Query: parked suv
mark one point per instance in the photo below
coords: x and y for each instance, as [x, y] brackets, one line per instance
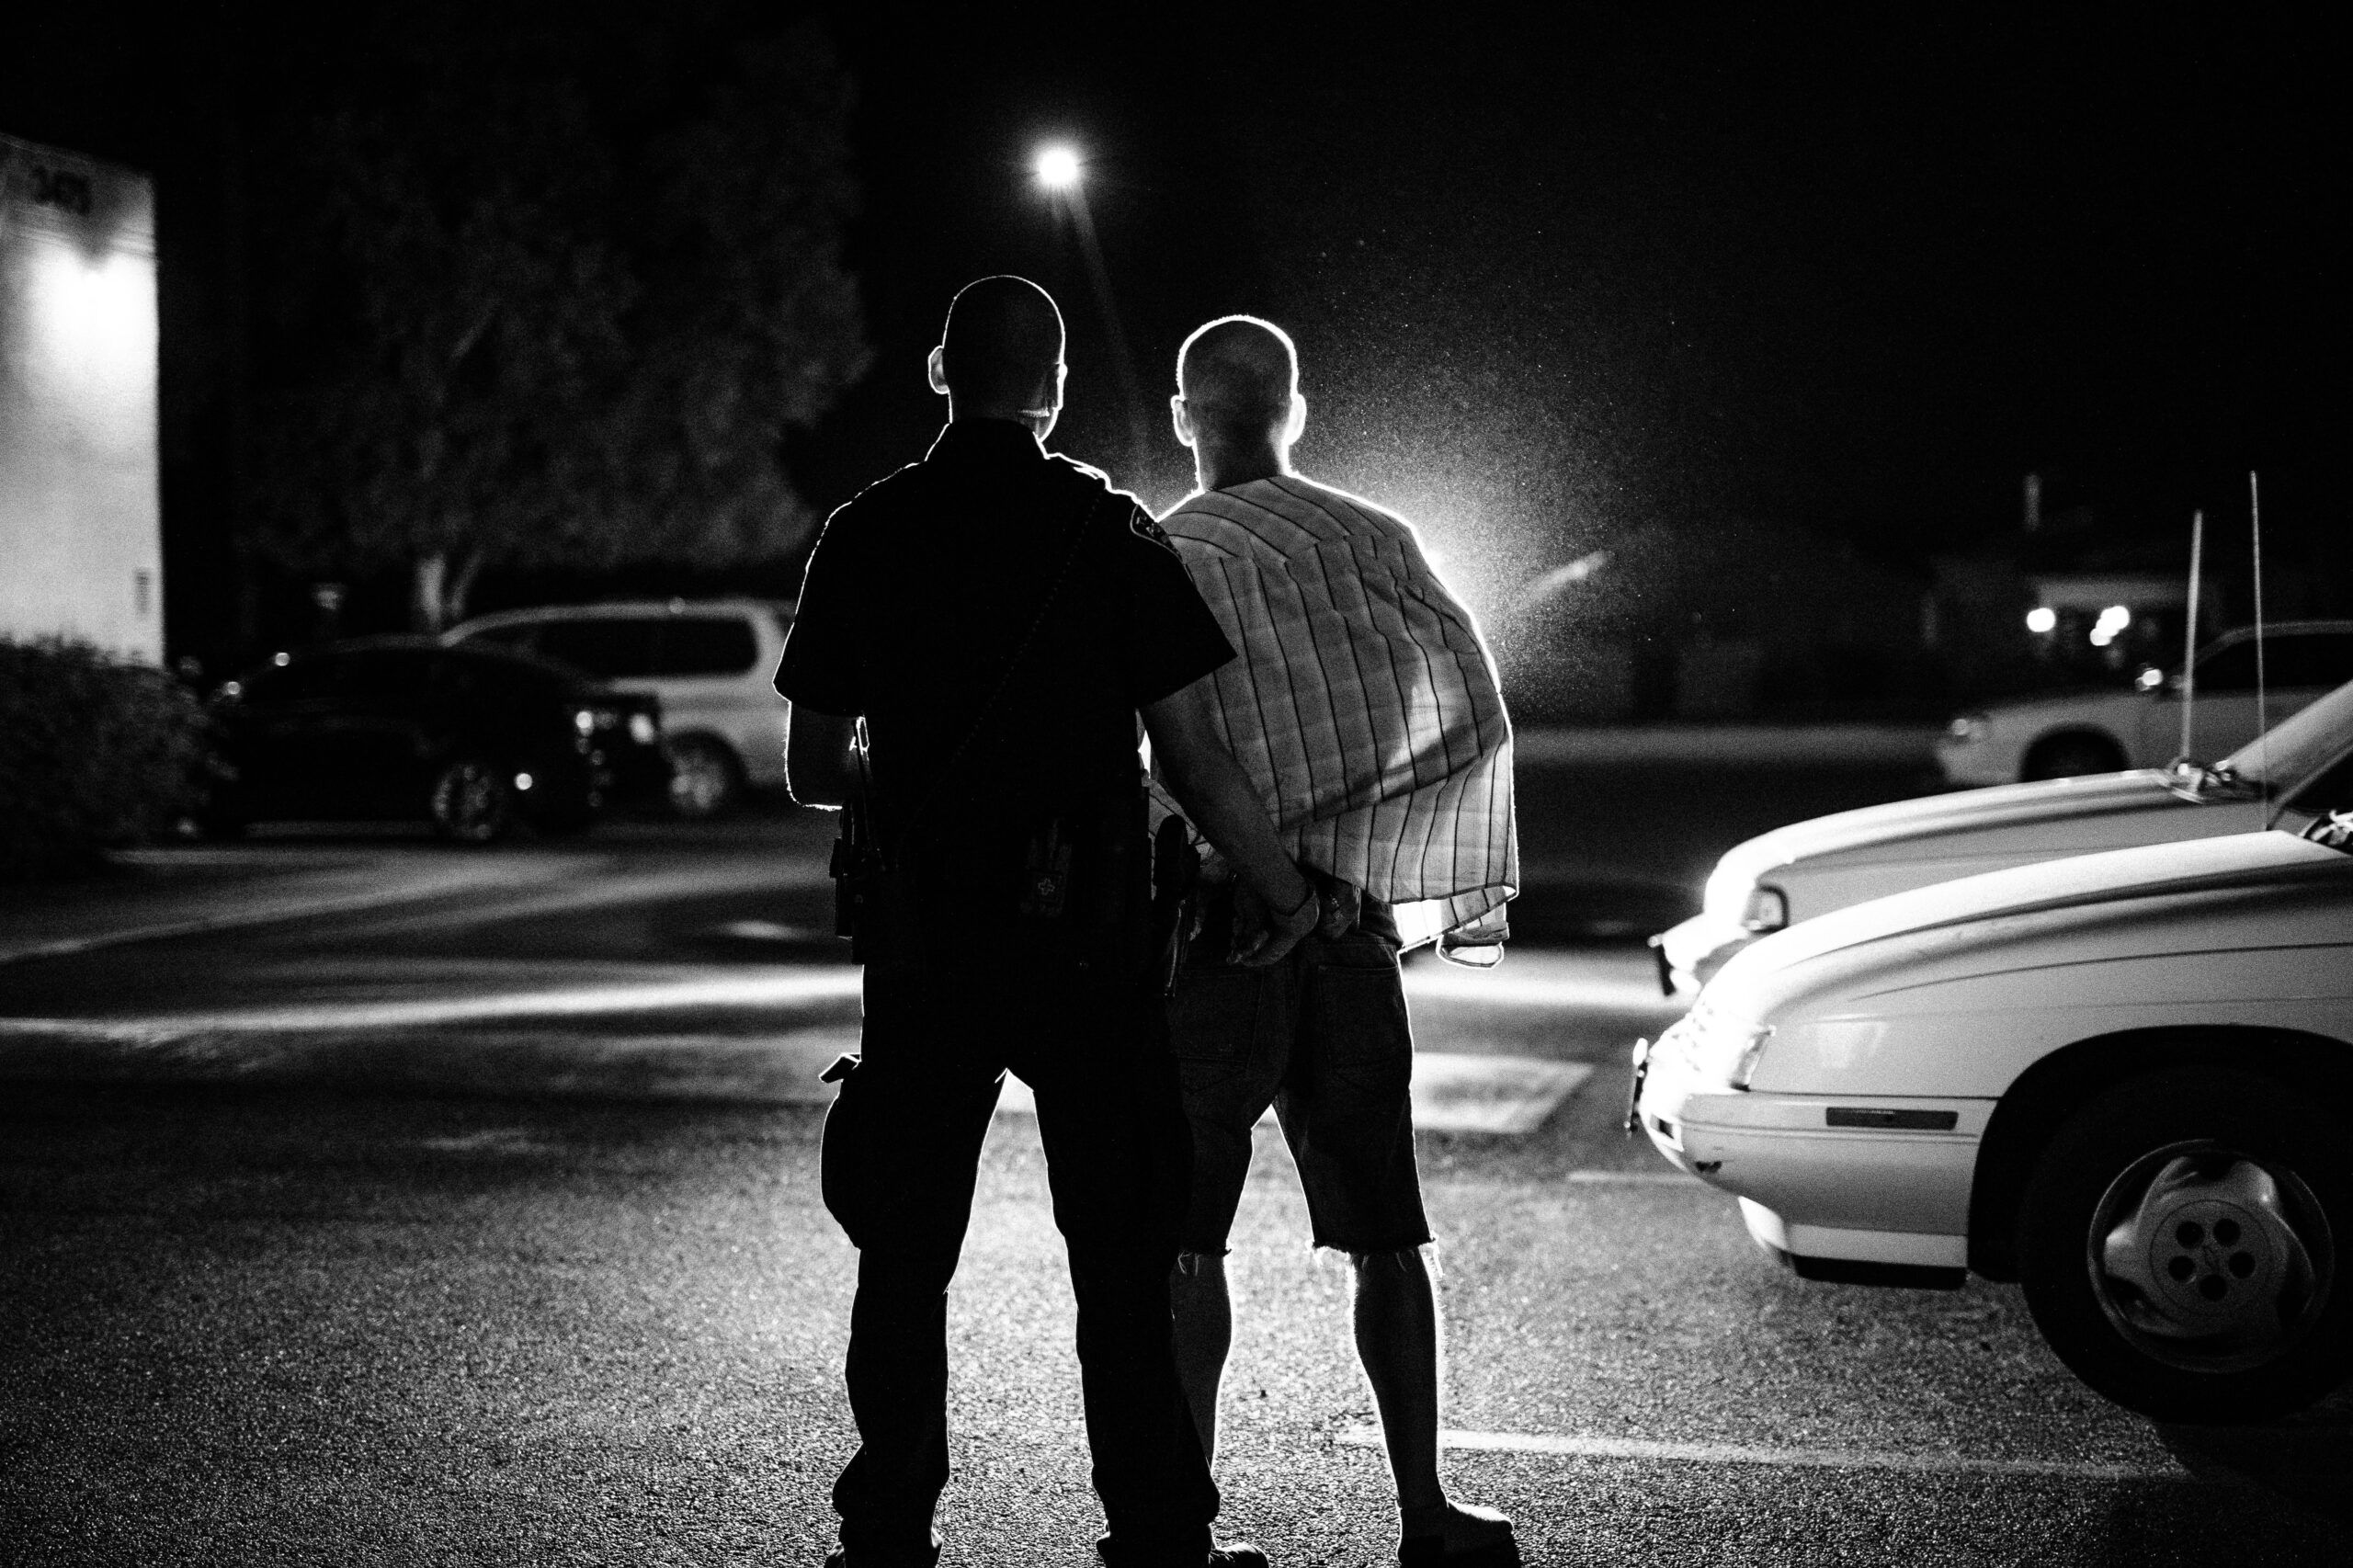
[2106, 731]
[709, 661]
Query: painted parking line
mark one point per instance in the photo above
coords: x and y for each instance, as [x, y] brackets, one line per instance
[728, 990]
[1504, 1096]
[1812, 1459]
[1546, 982]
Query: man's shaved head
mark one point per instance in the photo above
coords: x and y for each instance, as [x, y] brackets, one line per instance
[1237, 376]
[1002, 344]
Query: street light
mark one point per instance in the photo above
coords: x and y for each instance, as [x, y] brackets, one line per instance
[1057, 168]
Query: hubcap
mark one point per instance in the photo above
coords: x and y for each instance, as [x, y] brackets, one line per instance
[466, 800]
[2209, 1259]
[699, 781]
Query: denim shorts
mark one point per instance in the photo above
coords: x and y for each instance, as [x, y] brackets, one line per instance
[1322, 1036]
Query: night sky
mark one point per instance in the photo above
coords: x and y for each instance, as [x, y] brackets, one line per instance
[1552, 283]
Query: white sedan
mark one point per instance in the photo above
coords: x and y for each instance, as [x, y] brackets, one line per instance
[1810, 868]
[2124, 1080]
[2101, 730]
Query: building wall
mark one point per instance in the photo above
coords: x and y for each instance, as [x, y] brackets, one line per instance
[81, 550]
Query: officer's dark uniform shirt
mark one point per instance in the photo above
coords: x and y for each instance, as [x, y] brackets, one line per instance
[920, 590]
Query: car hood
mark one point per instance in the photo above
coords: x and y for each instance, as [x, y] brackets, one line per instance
[1830, 861]
[2198, 896]
[2047, 801]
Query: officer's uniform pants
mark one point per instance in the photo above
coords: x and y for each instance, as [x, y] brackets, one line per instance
[900, 1156]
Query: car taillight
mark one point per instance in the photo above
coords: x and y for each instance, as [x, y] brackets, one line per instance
[1768, 910]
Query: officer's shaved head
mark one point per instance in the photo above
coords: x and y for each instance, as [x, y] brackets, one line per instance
[1237, 376]
[1002, 344]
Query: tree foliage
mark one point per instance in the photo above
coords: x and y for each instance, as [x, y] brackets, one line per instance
[93, 751]
[557, 294]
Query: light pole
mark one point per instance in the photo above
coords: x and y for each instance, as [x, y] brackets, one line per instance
[1062, 174]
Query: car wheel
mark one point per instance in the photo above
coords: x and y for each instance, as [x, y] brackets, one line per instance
[2070, 756]
[2180, 1245]
[705, 778]
[472, 801]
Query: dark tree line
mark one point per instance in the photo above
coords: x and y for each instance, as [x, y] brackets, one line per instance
[549, 293]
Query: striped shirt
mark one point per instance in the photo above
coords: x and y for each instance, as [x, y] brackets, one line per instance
[1364, 706]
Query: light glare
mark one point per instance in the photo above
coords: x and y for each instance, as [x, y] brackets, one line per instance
[2112, 619]
[1057, 168]
[2041, 618]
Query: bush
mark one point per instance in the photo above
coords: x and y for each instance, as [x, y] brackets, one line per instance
[93, 751]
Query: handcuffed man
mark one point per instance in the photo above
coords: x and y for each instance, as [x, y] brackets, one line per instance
[1365, 709]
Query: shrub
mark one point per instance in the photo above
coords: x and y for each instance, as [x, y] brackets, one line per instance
[93, 751]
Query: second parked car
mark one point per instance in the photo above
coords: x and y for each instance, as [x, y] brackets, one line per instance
[708, 661]
[2100, 732]
[1809, 869]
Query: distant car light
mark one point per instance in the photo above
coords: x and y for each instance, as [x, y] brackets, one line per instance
[2043, 620]
[2150, 678]
[642, 729]
[1768, 910]
[584, 722]
[522, 781]
[281, 660]
[2113, 622]
[1969, 728]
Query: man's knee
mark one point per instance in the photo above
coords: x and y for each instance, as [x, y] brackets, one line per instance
[912, 1265]
[1402, 1262]
[1197, 1271]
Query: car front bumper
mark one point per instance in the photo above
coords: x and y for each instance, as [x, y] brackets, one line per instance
[1879, 1180]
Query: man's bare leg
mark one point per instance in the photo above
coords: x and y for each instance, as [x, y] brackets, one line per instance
[1397, 1340]
[1203, 1330]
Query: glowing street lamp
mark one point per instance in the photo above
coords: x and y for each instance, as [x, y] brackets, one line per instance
[1057, 168]
[1059, 174]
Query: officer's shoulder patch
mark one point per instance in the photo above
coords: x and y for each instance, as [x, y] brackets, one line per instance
[1139, 523]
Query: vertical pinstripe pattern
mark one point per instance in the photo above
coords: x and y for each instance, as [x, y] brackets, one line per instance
[1363, 705]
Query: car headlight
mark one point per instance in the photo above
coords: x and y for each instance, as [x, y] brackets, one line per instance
[1969, 728]
[1725, 1046]
[1768, 908]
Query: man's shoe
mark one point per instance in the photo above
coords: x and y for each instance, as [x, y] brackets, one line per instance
[1473, 1538]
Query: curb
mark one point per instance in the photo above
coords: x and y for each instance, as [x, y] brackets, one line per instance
[1728, 746]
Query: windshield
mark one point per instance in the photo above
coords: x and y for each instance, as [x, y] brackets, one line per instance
[2310, 740]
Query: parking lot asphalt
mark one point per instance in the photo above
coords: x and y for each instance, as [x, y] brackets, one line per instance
[444, 1304]
[295, 1326]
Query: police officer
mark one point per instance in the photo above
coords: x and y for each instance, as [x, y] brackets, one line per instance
[997, 618]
